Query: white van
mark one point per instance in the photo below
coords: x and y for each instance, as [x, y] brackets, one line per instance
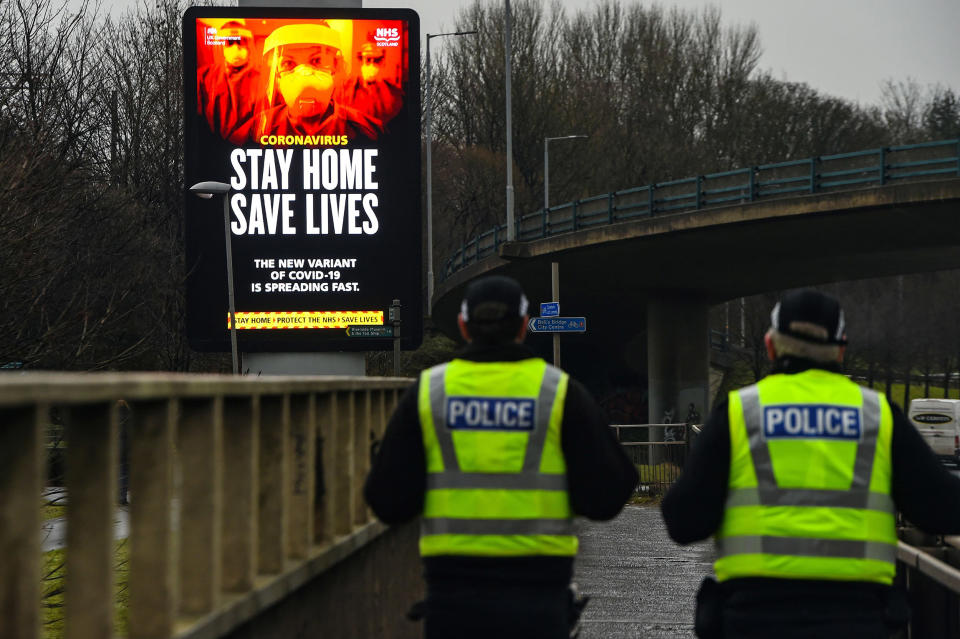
[938, 421]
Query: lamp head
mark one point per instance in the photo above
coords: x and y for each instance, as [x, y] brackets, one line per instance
[207, 190]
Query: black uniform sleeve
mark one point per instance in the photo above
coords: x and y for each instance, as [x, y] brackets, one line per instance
[693, 507]
[923, 490]
[600, 476]
[398, 478]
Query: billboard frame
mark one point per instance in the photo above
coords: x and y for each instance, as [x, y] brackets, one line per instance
[402, 273]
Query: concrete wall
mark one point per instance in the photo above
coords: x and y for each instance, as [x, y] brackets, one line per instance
[365, 596]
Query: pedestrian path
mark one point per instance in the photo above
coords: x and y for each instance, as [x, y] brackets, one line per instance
[53, 533]
[641, 584]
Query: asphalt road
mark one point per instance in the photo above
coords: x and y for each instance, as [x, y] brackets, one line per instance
[641, 584]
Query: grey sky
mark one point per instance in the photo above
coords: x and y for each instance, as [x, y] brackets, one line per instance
[845, 48]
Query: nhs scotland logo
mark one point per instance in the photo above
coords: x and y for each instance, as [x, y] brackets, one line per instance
[810, 421]
[491, 413]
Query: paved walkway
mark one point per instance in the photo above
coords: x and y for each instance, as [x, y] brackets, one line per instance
[53, 533]
[641, 584]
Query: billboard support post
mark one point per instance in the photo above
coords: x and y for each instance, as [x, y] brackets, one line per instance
[395, 320]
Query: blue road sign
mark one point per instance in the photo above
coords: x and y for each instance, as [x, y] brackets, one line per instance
[549, 309]
[369, 331]
[557, 325]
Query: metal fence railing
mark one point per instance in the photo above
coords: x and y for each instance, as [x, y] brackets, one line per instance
[822, 174]
[658, 450]
[931, 578]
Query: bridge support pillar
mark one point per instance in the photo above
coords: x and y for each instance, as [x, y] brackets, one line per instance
[678, 360]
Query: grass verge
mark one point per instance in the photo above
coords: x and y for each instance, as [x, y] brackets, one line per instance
[53, 589]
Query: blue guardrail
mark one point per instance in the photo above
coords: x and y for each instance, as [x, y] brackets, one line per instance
[826, 173]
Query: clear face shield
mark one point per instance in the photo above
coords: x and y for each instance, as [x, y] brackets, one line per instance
[305, 75]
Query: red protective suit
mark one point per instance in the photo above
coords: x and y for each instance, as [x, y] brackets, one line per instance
[226, 98]
[338, 120]
[379, 99]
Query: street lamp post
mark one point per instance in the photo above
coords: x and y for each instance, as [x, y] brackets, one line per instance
[511, 225]
[207, 190]
[554, 266]
[430, 168]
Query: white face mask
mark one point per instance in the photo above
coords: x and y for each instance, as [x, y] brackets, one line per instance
[306, 91]
[236, 55]
[369, 72]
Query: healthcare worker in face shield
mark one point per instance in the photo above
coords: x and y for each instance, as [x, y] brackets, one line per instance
[304, 62]
[227, 89]
[372, 92]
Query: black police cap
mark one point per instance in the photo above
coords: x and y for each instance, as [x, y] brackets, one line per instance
[810, 316]
[492, 299]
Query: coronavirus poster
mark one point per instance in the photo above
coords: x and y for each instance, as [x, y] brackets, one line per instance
[312, 118]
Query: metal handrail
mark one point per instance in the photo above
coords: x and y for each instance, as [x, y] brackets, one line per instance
[767, 181]
[679, 442]
[941, 572]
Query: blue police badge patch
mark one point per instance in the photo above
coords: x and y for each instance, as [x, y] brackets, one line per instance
[491, 413]
[811, 421]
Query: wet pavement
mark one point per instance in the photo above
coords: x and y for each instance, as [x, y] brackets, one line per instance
[53, 532]
[641, 584]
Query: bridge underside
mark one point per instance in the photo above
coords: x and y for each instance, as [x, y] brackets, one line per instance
[611, 274]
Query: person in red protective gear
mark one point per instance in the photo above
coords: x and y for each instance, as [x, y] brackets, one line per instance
[227, 90]
[304, 62]
[370, 91]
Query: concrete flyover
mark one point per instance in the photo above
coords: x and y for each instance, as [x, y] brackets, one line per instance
[659, 275]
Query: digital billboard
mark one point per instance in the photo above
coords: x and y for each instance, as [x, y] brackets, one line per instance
[312, 117]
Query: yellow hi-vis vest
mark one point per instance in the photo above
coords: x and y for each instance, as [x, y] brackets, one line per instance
[496, 476]
[809, 487]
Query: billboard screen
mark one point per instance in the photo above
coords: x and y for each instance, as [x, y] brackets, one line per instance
[312, 117]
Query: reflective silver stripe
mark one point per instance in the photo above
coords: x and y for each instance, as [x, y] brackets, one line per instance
[867, 448]
[438, 407]
[810, 497]
[753, 418]
[768, 493]
[545, 401]
[806, 547]
[509, 481]
[453, 526]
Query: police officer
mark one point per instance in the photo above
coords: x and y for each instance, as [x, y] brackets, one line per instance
[497, 451]
[799, 478]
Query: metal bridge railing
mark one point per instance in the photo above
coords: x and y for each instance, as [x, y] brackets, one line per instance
[931, 578]
[240, 489]
[826, 173]
[658, 450]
